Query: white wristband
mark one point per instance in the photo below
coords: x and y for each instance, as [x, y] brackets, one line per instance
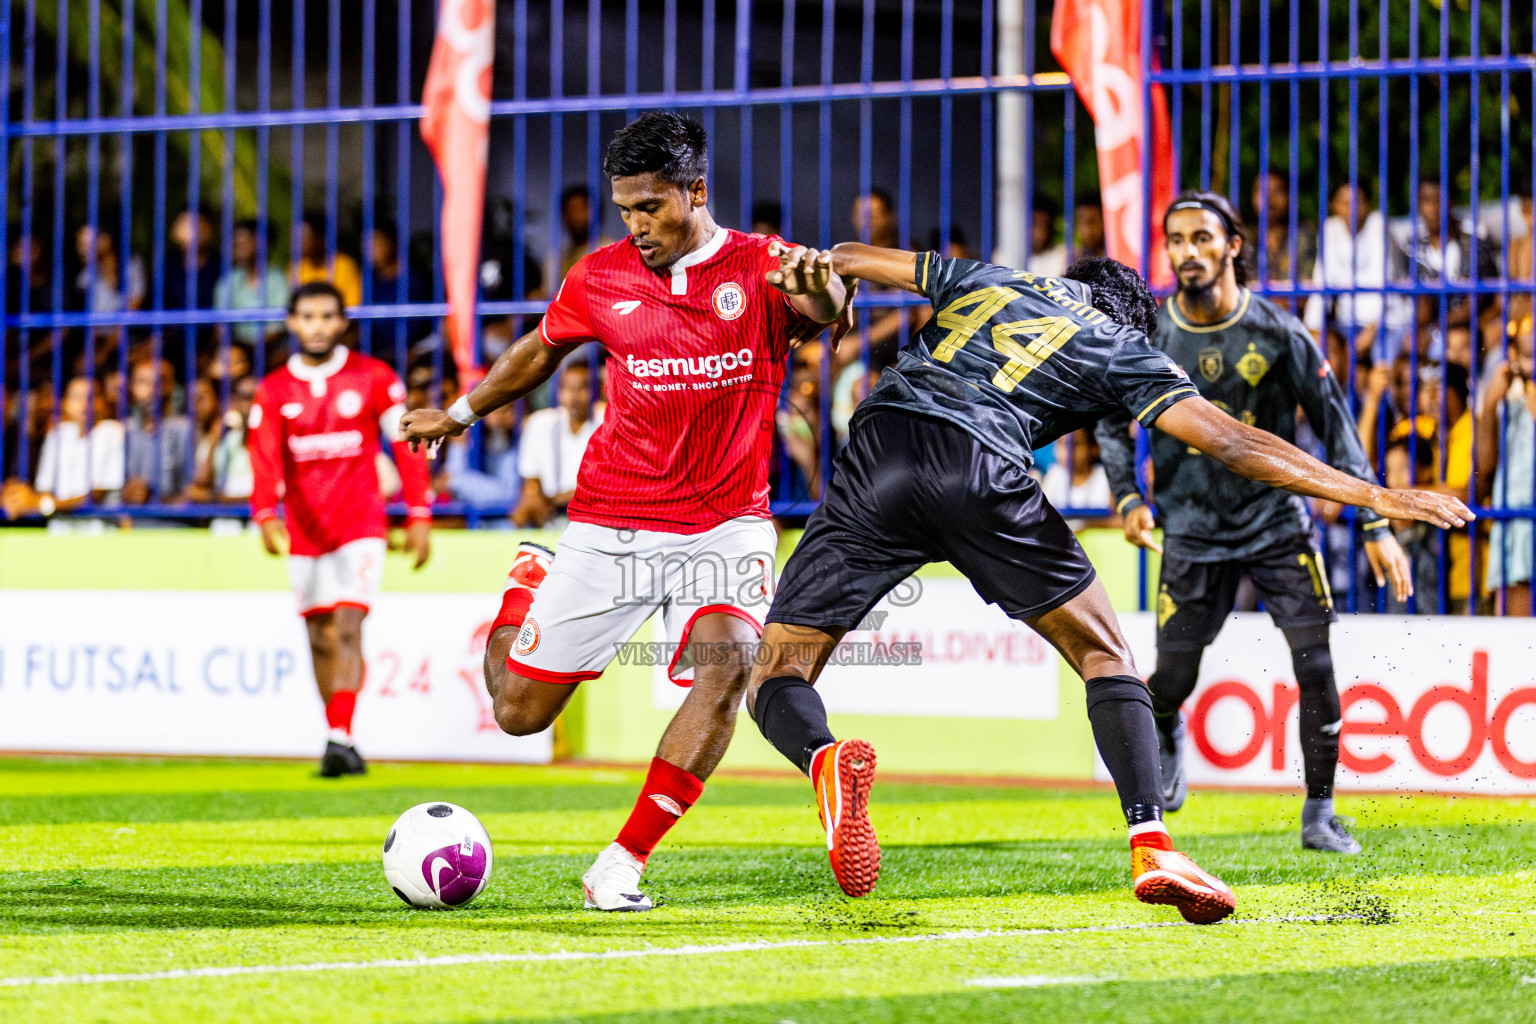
[460, 412]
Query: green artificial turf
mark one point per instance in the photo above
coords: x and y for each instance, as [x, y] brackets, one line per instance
[995, 904]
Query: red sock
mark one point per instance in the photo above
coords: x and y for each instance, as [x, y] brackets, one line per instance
[1151, 833]
[667, 793]
[338, 710]
[515, 603]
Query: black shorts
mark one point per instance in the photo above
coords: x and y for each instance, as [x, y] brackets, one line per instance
[1195, 598]
[909, 491]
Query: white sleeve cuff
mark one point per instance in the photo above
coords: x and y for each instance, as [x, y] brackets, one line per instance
[460, 412]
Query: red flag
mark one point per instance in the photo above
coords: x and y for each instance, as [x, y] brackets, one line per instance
[1098, 43]
[457, 97]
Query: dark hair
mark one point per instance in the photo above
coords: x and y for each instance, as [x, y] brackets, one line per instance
[1423, 453]
[386, 226]
[1089, 198]
[312, 289]
[1043, 203]
[1221, 206]
[572, 191]
[670, 146]
[425, 361]
[768, 212]
[1361, 184]
[252, 225]
[876, 192]
[1118, 291]
[1456, 379]
[315, 220]
[936, 237]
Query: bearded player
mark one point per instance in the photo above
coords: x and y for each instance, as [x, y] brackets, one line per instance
[937, 469]
[671, 505]
[315, 430]
[1254, 361]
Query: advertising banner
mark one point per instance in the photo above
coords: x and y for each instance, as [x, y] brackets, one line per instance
[931, 648]
[228, 673]
[1429, 704]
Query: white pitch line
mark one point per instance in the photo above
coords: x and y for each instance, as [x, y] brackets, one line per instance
[563, 956]
[1033, 981]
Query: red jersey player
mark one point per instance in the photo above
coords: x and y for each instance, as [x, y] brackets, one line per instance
[671, 506]
[316, 427]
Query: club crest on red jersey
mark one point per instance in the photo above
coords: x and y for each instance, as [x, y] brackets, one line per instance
[527, 638]
[729, 301]
[349, 403]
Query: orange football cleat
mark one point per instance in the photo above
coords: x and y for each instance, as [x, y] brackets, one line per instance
[1169, 877]
[842, 800]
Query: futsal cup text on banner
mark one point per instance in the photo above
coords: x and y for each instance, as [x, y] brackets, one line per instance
[1098, 44]
[457, 98]
[228, 673]
[1428, 704]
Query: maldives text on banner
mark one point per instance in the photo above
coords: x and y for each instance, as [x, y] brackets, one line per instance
[228, 673]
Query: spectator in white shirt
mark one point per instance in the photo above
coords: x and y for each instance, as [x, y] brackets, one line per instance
[75, 464]
[232, 476]
[1045, 258]
[1353, 256]
[550, 449]
[103, 291]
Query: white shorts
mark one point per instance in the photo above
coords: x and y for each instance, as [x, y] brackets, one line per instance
[349, 575]
[605, 583]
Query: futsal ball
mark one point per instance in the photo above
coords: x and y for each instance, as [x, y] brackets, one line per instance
[437, 856]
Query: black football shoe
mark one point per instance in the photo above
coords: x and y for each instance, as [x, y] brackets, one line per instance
[341, 759]
[1170, 751]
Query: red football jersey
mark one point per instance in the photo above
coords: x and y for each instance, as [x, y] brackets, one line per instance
[696, 360]
[314, 433]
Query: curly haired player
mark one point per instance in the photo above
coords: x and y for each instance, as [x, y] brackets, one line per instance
[937, 469]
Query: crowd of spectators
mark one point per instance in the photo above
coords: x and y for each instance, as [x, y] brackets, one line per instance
[1441, 377]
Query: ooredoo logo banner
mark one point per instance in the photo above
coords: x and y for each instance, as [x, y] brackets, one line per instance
[1427, 704]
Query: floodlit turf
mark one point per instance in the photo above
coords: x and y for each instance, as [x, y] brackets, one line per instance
[252, 892]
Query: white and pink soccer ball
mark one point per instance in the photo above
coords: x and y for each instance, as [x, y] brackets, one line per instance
[437, 856]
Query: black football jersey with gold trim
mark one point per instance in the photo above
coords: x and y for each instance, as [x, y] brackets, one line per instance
[1018, 360]
[1259, 365]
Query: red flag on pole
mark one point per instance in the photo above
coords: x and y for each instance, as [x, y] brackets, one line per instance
[457, 98]
[1098, 43]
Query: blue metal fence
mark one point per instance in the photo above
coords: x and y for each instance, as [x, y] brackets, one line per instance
[131, 111]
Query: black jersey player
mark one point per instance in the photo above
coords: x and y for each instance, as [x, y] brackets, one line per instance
[937, 469]
[1255, 362]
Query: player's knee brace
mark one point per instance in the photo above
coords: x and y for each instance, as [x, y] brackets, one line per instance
[1174, 680]
[1319, 714]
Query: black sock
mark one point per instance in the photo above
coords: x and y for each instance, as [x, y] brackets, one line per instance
[1320, 717]
[1172, 683]
[791, 716]
[1120, 711]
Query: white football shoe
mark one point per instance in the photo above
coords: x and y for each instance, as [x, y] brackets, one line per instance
[613, 881]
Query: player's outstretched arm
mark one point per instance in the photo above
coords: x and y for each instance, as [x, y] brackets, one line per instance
[1262, 456]
[887, 268]
[526, 364]
[805, 275]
